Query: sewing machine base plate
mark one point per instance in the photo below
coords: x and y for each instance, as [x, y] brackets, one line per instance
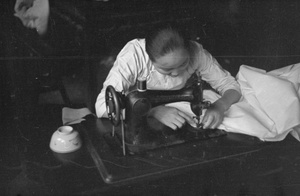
[151, 140]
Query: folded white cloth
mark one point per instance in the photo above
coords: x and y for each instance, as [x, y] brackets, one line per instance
[33, 14]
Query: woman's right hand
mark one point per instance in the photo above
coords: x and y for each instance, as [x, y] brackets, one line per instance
[170, 116]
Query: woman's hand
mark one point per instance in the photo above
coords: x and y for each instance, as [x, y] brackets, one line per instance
[170, 116]
[214, 115]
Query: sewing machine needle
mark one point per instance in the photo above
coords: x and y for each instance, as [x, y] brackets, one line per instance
[198, 123]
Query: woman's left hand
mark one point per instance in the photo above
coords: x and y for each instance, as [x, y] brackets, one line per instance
[213, 116]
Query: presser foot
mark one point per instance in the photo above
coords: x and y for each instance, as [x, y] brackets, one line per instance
[199, 125]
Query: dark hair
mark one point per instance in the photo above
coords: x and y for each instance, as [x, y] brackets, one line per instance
[164, 39]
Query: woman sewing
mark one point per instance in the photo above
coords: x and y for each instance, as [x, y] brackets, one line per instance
[167, 59]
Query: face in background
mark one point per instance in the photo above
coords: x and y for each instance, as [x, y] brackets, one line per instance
[172, 63]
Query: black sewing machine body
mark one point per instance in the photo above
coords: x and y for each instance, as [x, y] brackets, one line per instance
[139, 103]
[139, 132]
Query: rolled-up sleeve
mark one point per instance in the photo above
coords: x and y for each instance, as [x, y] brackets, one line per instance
[121, 76]
[219, 79]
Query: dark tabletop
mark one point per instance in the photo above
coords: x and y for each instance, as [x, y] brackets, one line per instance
[230, 165]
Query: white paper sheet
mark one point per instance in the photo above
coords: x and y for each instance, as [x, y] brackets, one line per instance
[72, 116]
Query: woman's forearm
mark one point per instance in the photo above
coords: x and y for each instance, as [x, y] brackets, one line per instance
[229, 97]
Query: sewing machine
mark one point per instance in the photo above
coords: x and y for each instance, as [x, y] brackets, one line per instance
[139, 132]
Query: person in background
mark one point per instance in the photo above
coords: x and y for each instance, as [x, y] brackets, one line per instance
[34, 14]
[167, 59]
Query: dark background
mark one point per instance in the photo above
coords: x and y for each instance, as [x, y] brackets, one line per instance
[85, 36]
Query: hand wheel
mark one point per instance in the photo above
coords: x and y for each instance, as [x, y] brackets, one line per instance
[113, 107]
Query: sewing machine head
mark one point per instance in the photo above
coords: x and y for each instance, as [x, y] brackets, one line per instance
[137, 133]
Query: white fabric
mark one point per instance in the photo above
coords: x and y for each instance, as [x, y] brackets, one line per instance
[269, 108]
[133, 62]
[273, 101]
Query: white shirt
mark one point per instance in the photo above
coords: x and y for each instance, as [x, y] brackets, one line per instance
[133, 62]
